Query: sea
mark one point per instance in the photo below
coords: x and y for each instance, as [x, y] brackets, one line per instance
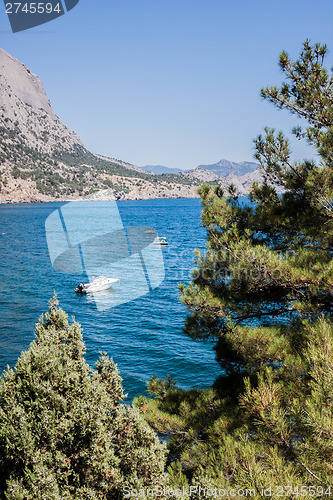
[144, 335]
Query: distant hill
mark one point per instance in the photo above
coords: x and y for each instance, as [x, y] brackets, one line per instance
[224, 172]
[160, 169]
[222, 168]
[242, 183]
[226, 167]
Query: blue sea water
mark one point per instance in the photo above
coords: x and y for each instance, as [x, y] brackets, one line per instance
[143, 336]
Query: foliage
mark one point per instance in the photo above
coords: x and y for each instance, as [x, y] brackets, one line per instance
[263, 291]
[63, 430]
[75, 172]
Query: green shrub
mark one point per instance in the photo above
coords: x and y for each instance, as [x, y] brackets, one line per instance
[64, 433]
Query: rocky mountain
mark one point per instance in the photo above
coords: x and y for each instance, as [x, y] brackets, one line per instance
[160, 169]
[242, 183]
[226, 167]
[224, 172]
[206, 172]
[43, 160]
[202, 174]
[26, 113]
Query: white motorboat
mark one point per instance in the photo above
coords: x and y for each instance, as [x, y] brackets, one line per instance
[160, 240]
[100, 283]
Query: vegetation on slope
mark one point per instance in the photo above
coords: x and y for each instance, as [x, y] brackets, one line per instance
[69, 172]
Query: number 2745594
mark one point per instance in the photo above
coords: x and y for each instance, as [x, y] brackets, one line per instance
[33, 8]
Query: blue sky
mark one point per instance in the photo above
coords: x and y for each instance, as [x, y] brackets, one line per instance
[174, 82]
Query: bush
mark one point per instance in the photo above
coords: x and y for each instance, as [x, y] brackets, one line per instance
[63, 431]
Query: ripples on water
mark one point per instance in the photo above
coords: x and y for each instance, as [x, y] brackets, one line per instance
[144, 336]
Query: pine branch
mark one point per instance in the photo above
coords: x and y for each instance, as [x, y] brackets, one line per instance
[274, 312]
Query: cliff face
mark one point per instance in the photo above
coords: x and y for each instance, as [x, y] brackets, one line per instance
[26, 111]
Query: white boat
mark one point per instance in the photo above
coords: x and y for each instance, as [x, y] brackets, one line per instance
[160, 240]
[100, 283]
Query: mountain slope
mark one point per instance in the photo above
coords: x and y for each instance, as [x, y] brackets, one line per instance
[26, 111]
[202, 174]
[242, 183]
[226, 167]
[42, 160]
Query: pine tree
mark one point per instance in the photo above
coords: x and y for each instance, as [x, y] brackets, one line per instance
[64, 433]
[268, 266]
[263, 290]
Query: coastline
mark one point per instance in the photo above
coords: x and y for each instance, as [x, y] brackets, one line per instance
[68, 200]
[136, 189]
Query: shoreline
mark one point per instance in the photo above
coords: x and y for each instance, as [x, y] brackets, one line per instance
[37, 202]
[22, 196]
